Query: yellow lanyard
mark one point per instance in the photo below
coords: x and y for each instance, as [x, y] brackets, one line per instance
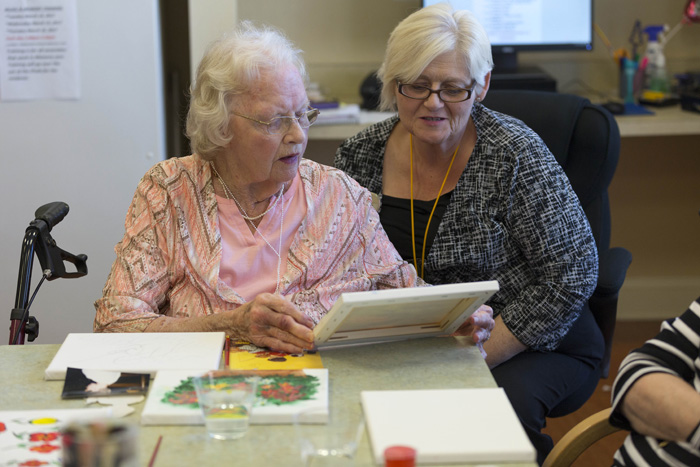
[413, 227]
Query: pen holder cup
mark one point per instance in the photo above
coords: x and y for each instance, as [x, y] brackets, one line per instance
[627, 72]
[631, 82]
[100, 444]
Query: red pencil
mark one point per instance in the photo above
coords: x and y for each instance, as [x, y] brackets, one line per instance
[227, 347]
[155, 451]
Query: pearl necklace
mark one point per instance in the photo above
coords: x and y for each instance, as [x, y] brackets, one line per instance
[245, 216]
[278, 251]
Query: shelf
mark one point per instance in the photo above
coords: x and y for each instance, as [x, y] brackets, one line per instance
[666, 121]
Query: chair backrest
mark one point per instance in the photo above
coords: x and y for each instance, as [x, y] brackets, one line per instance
[585, 140]
[579, 438]
[583, 137]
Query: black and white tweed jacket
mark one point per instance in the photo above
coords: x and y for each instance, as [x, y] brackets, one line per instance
[513, 217]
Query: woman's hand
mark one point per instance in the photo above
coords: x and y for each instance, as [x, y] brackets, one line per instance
[267, 321]
[479, 326]
[274, 322]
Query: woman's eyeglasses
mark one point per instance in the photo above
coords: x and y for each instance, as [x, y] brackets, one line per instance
[417, 91]
[280, 125]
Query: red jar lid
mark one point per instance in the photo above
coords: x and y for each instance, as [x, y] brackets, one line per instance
[399, 456]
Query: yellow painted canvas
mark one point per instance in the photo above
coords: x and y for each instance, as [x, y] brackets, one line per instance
[245, 356]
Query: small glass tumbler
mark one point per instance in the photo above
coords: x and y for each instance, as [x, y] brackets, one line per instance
[328, 444]
[226, 399]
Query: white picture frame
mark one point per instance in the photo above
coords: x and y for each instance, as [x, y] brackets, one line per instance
[395, 314]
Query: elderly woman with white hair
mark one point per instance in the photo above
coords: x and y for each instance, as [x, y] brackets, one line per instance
[470, 194]
[244, 236]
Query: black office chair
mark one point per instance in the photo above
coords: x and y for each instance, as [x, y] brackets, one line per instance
[585, 140]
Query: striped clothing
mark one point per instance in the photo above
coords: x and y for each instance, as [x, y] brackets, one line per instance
[676, 351]
[169, 260]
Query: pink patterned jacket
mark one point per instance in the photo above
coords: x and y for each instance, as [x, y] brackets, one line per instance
[168, 261]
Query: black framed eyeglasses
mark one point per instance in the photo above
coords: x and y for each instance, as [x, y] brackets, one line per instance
[280, 125]
[451, 95]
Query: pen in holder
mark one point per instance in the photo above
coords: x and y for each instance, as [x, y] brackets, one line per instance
[628, 91]
[638, 83]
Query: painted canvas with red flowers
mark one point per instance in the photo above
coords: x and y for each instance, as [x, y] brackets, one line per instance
[281, 394]
[32, 437]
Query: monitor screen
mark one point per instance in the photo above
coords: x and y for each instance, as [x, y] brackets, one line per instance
[517, 25]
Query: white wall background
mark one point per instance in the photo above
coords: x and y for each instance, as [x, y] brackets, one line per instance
[209, 19]
[89, 153]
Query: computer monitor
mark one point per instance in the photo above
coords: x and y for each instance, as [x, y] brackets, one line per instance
[530, 25]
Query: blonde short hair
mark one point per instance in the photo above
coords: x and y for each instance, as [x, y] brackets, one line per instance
[423, 36]
[228, 69]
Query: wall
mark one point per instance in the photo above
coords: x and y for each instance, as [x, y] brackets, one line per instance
[344, 40]
[209, 19]
[89, 153]
[655, 198]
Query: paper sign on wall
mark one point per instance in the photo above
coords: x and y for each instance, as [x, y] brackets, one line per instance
[39, 50]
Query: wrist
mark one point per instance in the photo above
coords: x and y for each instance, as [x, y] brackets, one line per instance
[234, 321]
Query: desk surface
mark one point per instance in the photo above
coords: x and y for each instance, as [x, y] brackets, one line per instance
[430, 363]
[666, 121]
